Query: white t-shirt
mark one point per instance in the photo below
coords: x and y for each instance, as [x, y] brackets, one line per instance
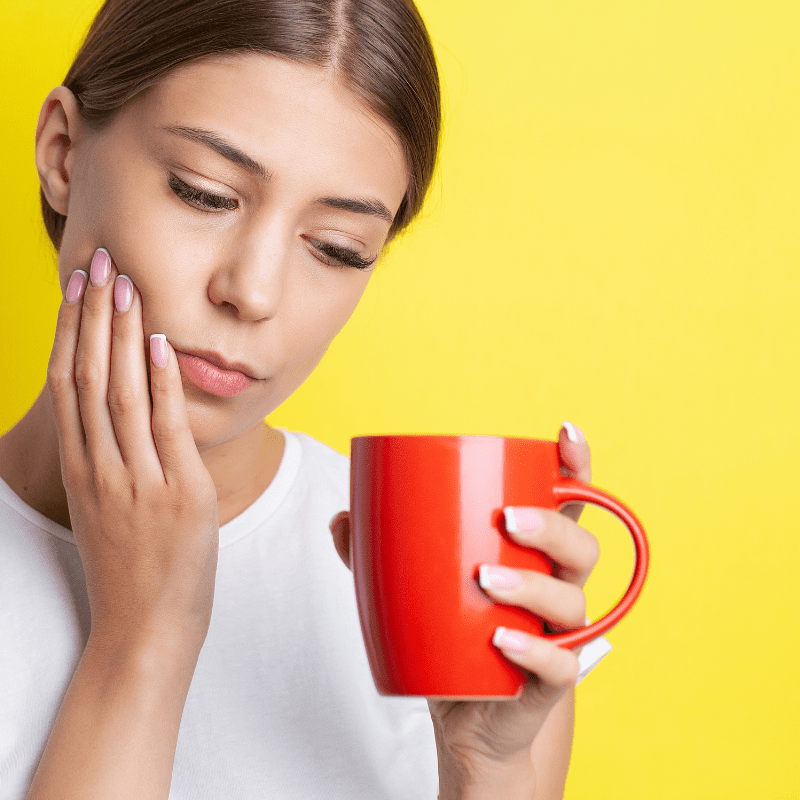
[282, 702]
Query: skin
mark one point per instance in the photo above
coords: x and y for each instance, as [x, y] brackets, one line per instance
[143, 466]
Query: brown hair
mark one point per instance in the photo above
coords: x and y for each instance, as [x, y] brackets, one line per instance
[379, 49]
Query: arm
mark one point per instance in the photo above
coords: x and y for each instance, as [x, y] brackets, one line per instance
[552, 749]
[143, 510]
[117, 729]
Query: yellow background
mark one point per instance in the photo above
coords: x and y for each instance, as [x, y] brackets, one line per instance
[613, 239]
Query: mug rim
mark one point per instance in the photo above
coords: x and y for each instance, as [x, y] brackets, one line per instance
[449, 437]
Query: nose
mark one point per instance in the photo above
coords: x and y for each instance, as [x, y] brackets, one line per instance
[251, 274]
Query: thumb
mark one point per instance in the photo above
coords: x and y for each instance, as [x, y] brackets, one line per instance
[340, 529]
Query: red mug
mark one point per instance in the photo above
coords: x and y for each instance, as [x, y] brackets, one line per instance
[426, 512]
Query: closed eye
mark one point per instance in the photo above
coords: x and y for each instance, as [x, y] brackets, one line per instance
[204, 201]
[339, 256]
[329, 254]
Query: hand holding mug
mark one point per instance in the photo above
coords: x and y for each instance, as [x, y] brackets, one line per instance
[453, 653]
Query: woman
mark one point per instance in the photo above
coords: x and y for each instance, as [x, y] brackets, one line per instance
[219, 178]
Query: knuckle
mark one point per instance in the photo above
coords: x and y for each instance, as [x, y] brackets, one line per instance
[552, 530]
[95, 303]
[189, 503]
[72, 476]
[121, 488]
[59, 381]
[87, 374]
[561, 667]
[167, 429]
[179, 503]
[570, 668]
[592, 551]
[122, 399]
[575, 608]
[100, 482]
[551, 662]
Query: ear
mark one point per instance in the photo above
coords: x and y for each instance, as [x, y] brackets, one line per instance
[57, 133]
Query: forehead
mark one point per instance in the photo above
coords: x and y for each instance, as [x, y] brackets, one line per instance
[285, 114]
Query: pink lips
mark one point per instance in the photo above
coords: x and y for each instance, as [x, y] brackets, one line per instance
[211, 378]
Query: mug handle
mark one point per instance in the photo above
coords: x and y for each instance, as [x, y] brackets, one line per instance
[571, 490]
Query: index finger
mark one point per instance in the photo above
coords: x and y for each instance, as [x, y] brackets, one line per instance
[172, 433]
[61, 367]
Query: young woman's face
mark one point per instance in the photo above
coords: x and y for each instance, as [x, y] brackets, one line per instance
[247, 198]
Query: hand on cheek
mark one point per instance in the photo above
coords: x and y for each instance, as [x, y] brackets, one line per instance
[142, 505]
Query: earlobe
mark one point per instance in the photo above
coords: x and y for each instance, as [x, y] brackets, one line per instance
[56, 134]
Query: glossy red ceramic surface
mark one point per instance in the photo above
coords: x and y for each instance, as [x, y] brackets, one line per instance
[426, 512]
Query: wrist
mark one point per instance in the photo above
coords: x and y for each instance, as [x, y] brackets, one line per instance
[511, 780]
[156, 659]
[117, 729]
[517, 783]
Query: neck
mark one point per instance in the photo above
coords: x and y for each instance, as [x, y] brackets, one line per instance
[30, 464]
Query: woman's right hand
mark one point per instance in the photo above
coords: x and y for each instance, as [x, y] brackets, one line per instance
[142, 505]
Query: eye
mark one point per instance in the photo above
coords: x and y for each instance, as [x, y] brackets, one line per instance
[335, 256]
[205, 201]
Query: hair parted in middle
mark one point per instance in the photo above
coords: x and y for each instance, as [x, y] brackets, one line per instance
[379, 49]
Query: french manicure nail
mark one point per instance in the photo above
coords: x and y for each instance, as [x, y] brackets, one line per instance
[76, 286]
[158, 349]
[497, 577]
[100, 270]
[523, 520]
[123, 293]
[513, 641]
[574, 433]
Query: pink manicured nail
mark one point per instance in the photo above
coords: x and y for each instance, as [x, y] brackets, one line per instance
[513, 641]
[101, 267]
[496, 577]
[523, 520]
[76, 286]
[123, 293]
[158, 349]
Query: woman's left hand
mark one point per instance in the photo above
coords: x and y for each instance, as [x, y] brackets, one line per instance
[484, 743]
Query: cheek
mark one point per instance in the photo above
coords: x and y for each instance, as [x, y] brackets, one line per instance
[109, 208]
[87, 226]
[151, 243]
[322, 310]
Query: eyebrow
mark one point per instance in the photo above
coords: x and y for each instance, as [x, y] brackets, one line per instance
[370, 206]
[373, 207]
[225, 149]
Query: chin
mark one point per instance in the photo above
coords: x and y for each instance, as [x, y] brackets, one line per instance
[218, 420]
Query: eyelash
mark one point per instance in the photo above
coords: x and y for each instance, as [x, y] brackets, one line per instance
[339, 256]
[329, 254]
[200, 199]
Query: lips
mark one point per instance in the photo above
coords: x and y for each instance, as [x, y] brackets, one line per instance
[213, 374]
[220, 362]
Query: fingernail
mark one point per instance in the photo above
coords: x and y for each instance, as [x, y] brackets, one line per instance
[513, 641]
[158, 349]
[523, 520]
[101, 267]
[123, 293]
[496, 577]
[574, 433]
[76, 286]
